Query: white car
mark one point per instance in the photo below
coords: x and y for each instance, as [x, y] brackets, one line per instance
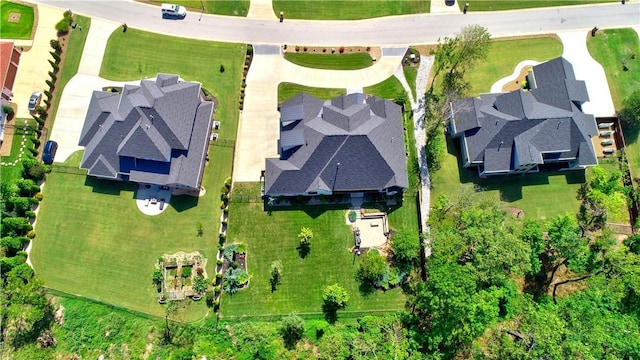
[173, 11]
[34, 100]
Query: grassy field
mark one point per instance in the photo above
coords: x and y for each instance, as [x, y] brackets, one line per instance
[146, 59]
[226, 7]
[272, 235]
[73, 54]
[16, 30]
[609, 48]
[493, 5]
[11, 173]
[330, 61]
[289, 90]
[539, 196]
[505, 55]
[102, 247]
[347, 9]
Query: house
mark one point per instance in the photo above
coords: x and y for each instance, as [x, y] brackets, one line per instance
[519, 131]
[351, 143]
[155, 133]
[9, 61]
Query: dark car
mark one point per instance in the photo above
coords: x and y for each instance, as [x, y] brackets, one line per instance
[49, 152]
[34, 100]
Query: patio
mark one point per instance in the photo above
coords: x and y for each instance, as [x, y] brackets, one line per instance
[373, 228]
[152, 199]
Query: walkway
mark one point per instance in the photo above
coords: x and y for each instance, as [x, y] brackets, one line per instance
[261, 9]
[441, 7]
[259, 126]
[586, 68]
[498, 85]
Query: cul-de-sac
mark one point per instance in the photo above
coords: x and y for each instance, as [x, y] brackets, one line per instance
[323, 179]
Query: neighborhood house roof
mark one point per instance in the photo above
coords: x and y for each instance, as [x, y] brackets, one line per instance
[156, 133]
[506, 130]
[350, 143]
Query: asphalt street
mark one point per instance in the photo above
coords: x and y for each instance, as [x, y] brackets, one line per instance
[387, 31]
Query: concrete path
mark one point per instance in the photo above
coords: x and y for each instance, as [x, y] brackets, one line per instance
[498, 85]
[586, 68]
[77, 93]
[441, 7]
[259, 127]
[34, 68]
[261, 9]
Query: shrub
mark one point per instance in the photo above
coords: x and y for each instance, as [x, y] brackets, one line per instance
[186, 271]
[30, 214]
[222, 205]
[35, 141]
[218, 276]
[48, 94]
[55, 56]
[53, 76]
[227, 183]
[55, 44]
[352, 216]
[51, 84]
[31, 234]
[39, 196]
[341, 49]
[249, 50]
[209, 298]
[222, 238]
[224, 197]
[234, 264]
[62, 27]
[8, 110]
[220, 262]
[221, 68]
[47, 102]
[33, 151]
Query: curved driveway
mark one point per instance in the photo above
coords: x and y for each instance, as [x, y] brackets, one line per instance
[393, 31]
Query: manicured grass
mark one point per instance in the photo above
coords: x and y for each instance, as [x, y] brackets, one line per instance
[226, 7]
[388, 89]
[610, 48]
[16, 30]
[100, 246]
[347, 9]
[74, 159]
[495, 5]
[331, 61]
[145, 59]
[73, 54]
[272, 235]
[505, 55]
[289, 90]
[10, 173]
[540, 196]
[411, 73]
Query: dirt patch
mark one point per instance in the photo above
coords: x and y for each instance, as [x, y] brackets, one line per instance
[14, 17]
[515, 212]
[517, 83]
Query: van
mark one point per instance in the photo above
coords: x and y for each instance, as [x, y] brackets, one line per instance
[173, 11]
[49, 152]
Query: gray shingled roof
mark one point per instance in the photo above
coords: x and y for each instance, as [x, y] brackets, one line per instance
[520, 127]
[352, 143]
[156, 132]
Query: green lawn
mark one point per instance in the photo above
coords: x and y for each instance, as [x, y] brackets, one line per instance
[16, 30]
[10, 173]
[348, 9]
[609, 48]
[272, 235]
[411, 73]
[73, 54]
[288, 90]
[100, 246]
[539, 196]
[388, 89]
[144, 58]
[505, 55]
[330, 61]
[226, 7]
[495, 5]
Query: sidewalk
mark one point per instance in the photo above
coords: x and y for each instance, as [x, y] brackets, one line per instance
[261, 10]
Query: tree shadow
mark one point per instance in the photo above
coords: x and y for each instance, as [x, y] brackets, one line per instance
[304, 250]
[109, 187]
[366, 288]
[330, 313]
[184, 202]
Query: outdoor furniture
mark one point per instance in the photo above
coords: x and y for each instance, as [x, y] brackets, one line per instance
[146, 202]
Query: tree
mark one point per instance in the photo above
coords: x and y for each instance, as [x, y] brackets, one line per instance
[157, 277]
[27, 187]
[630, 112]
[305, 236]
[276, 274]
[373, 267]
[15, 226]
[292, 329]
[406, 248]
[335, 297]
[8, 110]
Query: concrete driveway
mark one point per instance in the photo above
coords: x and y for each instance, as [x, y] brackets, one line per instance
[575, 50]
[259, 127]
[34, 68]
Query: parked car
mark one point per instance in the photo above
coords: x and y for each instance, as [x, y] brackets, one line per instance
[49, 152]
[34, 100]
[173, 11]
[608, 150]
[606, 133]
[607, 142]
[605, 125]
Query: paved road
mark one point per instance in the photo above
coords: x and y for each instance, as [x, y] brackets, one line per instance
[394, 31]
